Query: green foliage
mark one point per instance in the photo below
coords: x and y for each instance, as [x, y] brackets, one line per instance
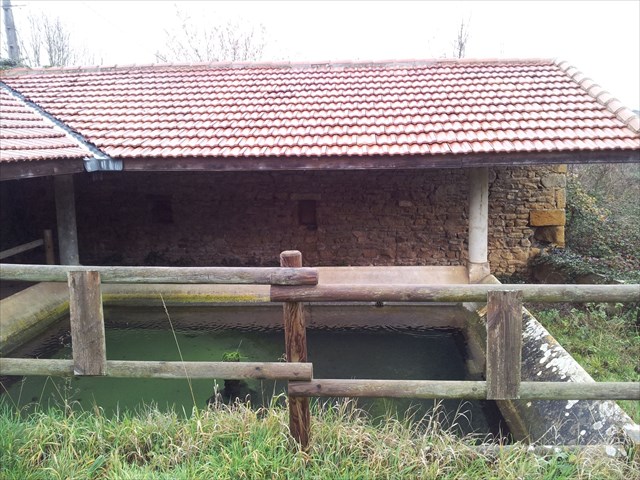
[7, 63]
[230, 442]
[602, 232]
[574, 266]
[593, 230]
[603, 338]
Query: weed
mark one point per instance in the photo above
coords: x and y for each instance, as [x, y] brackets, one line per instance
[603, 338]
[236, 441]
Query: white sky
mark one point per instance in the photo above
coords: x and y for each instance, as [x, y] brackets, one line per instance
[601, 38]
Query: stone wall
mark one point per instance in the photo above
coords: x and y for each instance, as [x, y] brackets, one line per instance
[361, 218]
[335, 218]
[526, 214]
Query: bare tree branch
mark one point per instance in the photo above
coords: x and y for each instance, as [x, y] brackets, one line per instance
[227, 41]
[462, 37]
[49, 43]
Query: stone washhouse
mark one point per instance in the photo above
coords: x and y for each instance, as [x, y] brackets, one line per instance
[449, 163]
[423, 172]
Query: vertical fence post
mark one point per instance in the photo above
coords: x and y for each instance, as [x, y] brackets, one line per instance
[48, 248]
[87, 324]
[296, 348]
[504, 344]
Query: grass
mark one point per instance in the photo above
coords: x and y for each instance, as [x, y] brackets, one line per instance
[234, 442]
[603, 338]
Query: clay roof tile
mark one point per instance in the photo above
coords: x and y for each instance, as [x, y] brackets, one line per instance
[334, 109]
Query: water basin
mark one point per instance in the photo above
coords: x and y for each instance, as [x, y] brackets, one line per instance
[362, 353]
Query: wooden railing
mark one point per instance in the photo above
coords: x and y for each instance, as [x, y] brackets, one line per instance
[46, 241]
[293, 285]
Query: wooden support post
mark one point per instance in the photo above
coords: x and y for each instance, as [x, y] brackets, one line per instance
[87, 324]
[48, 247]
[296, 349]
[66, 218]
[504, 344]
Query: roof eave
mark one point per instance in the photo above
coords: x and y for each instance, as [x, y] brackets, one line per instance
[378, 162]
[16, 170]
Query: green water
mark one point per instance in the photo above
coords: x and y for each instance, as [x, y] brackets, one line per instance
[368, 354]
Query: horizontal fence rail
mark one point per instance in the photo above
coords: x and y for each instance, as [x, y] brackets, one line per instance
[293, 285]
[155, 369]
[454, 293]
[211, 275]
[458, 389]
[46, 241]
[25, 247]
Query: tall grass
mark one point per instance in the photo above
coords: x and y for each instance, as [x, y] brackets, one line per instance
[603, 338]
[234, 442]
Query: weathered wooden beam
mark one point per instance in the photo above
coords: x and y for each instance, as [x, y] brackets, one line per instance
[25, 247]
[66, 220]
[49, 252]
[168, 370]
[221, 275]
[378, 162]
[87, 324]
[429, 389]
[454, 293]
[451, 389]
[504, 344]
[295, 334]
[41, 168]
[390, 388]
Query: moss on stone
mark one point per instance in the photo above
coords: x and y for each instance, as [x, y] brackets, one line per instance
[16, 331]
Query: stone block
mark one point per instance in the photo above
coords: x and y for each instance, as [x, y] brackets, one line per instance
[544, 218]
[553, 234]
[561, 198]
[554, 180]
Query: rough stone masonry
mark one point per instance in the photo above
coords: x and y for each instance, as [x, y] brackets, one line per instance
[365, 217]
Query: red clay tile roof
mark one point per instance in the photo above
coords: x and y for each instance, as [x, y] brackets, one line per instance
[425, 108]
[25, 134]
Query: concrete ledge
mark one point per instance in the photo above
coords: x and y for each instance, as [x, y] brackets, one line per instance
[259, 316]
[551, 422]
[404, 275]
[579, 422]
[30, 312]
[126, 294]
[478, 271]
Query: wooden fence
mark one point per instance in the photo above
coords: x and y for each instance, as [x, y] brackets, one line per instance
[292, 285]
[46, 241]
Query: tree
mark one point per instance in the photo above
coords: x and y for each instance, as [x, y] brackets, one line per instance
[460, 43]
[49, 43]
[227, 41]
